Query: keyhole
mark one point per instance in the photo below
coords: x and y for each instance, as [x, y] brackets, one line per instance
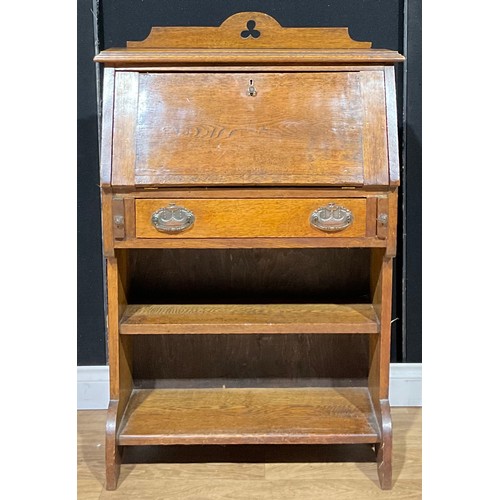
[251, 89]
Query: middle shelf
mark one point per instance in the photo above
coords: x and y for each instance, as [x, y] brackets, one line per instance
[249, 318]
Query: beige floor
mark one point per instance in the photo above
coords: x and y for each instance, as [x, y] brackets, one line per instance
[253, 473]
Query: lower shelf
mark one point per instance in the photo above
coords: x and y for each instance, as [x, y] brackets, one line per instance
[249, 416]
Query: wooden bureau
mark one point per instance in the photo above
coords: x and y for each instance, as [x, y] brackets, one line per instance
[249, 179]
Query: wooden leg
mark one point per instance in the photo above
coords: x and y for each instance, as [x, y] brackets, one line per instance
[113, 451]
[384, 449]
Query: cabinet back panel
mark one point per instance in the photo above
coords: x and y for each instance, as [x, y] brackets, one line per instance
[166, 276]
[249, 360]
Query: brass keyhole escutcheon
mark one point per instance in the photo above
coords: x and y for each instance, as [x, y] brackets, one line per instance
[251, 89]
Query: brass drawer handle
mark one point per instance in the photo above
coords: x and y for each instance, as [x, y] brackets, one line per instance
[172, 219]
[331, 218]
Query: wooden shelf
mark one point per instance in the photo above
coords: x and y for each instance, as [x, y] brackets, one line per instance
[254, 318]
[249, 416]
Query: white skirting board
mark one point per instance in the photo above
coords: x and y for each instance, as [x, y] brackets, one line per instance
[92, 387]
[405, 387]
[405, 384]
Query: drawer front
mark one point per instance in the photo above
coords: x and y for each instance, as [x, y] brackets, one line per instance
[250, 128]
[251, 218]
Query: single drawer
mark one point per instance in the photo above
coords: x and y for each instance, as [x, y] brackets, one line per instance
[251, 218]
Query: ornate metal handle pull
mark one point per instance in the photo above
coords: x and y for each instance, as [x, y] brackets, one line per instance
[172, 219]
[331, 218]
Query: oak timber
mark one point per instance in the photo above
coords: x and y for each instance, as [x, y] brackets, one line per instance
[234, 218]
[253, 126]
[248, 30]
[203, 129]
[324, 242]
[245, 318]
[249, 416]
[247, 56]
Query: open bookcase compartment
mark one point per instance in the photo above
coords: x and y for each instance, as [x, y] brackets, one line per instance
[181, 361]
[239, 384]
[249, 276]
[265, 308]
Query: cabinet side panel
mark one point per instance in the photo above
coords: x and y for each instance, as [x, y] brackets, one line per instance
[125, 119]
[392, 126]
[119, 348]
[375, 159]
[108, 92]
[381, 285]
[113, 315]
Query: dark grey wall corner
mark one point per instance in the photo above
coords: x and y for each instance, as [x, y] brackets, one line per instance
[90, 296]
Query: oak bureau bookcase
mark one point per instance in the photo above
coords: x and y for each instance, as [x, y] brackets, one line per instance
[249, 178]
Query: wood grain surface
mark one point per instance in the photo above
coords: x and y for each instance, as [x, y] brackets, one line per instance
[381, 285]
[392, 125]
[269, 34]
[203, 129]
[108, 96]
[392, 226]
[249, 416]
[119, 358]
[219, 57]
[245, 243]
[251, 218]
[291, 67]
[371, 216]
[249, 318]
[118, 218]
[297, 360]
[108, 249]
[382, 210]
[124, 124]
[245, 472]
[383, 449]
[251, 192]
[375, 159]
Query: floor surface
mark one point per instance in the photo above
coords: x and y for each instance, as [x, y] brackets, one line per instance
[251, 472]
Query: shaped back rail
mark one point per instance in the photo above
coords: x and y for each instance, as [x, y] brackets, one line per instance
[248, 30]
